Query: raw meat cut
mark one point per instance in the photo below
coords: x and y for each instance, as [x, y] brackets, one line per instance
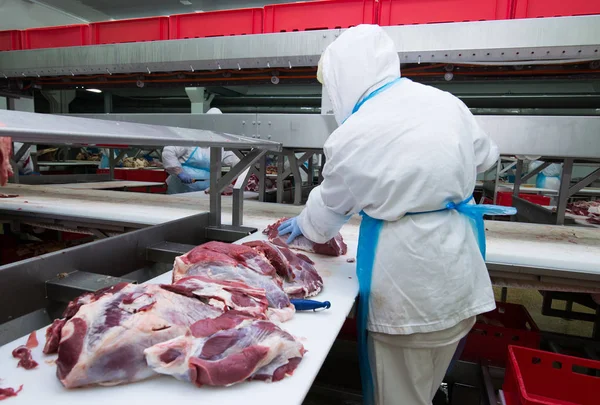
[103, 342]
[9, 392]
[26, 361]
[303, 280]
[242, 254]
[32, 341]
[589, 209]
[251, 350]
[275, 256]
[53, 333]
[53, 336]
[335, 247]
[219, 267]
[223, 294]
[5, 153]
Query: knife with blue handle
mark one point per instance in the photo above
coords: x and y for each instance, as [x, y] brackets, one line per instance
[310, 305]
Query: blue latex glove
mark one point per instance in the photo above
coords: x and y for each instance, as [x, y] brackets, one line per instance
[292, 227]
[185, 178]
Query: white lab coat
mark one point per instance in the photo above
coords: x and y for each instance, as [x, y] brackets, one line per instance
[411, 148]
[25, 164]
[174, 156]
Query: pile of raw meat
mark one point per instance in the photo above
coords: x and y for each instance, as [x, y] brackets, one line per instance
[5, 153]
[589, 209]
[216, 324]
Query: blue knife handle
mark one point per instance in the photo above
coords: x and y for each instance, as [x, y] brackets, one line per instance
[310, 305]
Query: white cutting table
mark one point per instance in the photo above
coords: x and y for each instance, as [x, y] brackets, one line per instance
[316, 330]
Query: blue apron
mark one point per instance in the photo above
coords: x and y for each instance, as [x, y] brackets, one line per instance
[370, 228]
[198, 167]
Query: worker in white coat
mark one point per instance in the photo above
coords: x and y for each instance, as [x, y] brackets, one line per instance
[406, 157]
[25, 163]
[549, 177]
[189, 167]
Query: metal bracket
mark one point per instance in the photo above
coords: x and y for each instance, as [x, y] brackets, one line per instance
[68, 286]
[218, 183]
[166, 252]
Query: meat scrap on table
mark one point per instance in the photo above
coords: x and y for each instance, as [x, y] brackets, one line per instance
[9, 392]
[211, 326]
[589, 209]
[335, 247]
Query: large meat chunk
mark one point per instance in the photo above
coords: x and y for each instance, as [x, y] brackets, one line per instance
[335, 247]
[250, 350]
[5, 153]
[242, 254]
[302, 280]
[220, 267]
[103, 342]
[54, 331]
[224, 294]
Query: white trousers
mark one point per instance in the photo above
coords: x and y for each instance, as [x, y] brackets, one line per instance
[408, 369]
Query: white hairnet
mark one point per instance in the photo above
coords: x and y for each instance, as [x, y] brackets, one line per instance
[361, 60]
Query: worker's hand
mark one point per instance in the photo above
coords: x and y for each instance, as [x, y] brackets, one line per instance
[185, 178]
[292, 227]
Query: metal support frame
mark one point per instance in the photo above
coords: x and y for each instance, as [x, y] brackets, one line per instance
[563, 193]
[218, 183]
[568, 313]
[16, 178]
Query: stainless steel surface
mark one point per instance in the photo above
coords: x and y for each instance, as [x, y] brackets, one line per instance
[165, 252]
[215, 189]
[563, 192]
[44, 128]
[549, 136]
[18, 327]
[564, 38]
[65, 287]
[228, 233]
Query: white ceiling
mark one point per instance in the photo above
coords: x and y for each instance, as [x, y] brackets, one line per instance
[95, 10]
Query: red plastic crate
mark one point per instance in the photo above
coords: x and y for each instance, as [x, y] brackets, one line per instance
[147, 175]
[554, 8]
[319, 15]
[120, 174]
[404, 12]
[10, 40]
[535, 377]
[216, 23]
[133, 30]
[505, 198]
[488, 342]
[56, 37]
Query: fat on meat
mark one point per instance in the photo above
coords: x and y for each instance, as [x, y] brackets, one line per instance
[248, 350]
[242, 254]
[5, 153]
[335, 247]
[302, 279]
[221, 267]
[224, 294]
[103, 341]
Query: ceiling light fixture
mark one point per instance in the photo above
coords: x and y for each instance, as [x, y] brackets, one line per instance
[186, 2]
[94, 90]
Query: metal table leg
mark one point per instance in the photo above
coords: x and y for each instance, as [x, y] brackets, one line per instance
[563, 194]
[280, 178]
[262, 178]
